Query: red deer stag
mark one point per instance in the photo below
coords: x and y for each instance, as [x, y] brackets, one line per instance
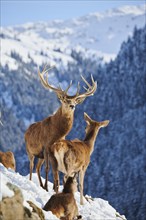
[41, 135]
[63, 205]
[73, 156]
[8, 159]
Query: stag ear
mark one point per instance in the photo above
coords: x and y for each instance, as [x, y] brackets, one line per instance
[79, 100]
[60, 97]
[87, 118]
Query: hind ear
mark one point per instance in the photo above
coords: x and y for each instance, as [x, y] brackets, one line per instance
[104, 123]
[87, 118]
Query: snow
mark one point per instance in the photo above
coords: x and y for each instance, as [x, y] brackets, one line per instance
[5, 191]
[135, 10]
[8, 99]
[98, 34]
[92, 210]
[27, 122]
[7, 60]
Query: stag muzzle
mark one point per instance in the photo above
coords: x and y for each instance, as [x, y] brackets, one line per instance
[72, 107]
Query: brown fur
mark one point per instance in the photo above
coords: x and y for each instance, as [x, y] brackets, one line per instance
[41, 135]
[63, 205]
[71, 157]
[8, 160]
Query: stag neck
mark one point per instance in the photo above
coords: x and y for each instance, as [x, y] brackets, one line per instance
[63, 112]
[90, 139]
[65, 118]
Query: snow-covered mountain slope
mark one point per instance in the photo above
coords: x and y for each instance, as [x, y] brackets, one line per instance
[98, 209]
[94, 35]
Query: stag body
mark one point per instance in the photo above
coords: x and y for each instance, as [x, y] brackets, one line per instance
[63, 205]
[40, 136]
[71, 157]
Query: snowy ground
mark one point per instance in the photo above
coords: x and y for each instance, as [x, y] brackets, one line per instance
[98, 209]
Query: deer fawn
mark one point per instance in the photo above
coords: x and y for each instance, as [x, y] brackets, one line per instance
[8, 159]
[73, 156]
[41, 135]
[63, 205]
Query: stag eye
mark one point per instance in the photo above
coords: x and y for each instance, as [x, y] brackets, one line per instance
[68, 101]
[65, 100]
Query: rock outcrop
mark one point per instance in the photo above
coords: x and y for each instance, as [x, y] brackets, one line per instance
[13, 208]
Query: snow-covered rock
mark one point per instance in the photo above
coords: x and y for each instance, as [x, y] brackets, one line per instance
[93, 209]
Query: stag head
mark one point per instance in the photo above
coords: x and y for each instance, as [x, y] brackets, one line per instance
[67, 100]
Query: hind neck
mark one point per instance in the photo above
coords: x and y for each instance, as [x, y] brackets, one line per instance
[90, 139]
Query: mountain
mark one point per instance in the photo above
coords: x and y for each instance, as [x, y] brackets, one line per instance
[96, 35]
[117, 169]
[31, 191]
[119, 155]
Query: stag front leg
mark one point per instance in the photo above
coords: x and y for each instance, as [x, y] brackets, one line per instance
[81, 185]
[38, 168]
[46, 157]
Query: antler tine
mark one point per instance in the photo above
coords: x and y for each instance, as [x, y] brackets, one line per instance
[42, 78]
[46, 70]
[60, 87]
[45, 81]
[90, 90]
[68, 87]
[92, 79]
[78, 89]
[85, 81]
[85, 88]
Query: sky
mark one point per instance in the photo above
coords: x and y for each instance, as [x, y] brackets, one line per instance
[24, 11]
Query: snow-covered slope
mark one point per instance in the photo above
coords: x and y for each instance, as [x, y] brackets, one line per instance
[98, 209]
[96, 34]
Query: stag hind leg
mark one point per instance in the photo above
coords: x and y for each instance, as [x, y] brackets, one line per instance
[38, 168]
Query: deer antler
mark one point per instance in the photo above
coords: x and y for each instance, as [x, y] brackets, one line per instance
[89, 91]
[68, 87]
[44, 79]
[78, 89]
